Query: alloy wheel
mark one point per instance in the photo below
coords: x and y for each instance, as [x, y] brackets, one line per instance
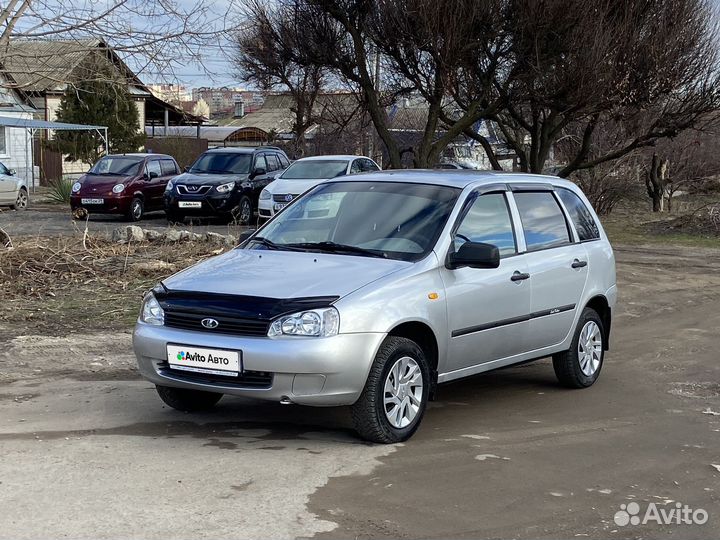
[22, 200]
[590, 348]
[403, 392]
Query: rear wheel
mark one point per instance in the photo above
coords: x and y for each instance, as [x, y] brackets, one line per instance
[393, 401]
[187, 400]
[136, 210]
[21, 202]
[579, 367]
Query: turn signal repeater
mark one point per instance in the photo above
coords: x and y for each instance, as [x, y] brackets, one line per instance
[433, 296]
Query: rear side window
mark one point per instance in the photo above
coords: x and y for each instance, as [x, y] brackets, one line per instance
[368, 166]
[585, 225]
[542, 219]
[168, 167]
[284, 163]
[488, 221]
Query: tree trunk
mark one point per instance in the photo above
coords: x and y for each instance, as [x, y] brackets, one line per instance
[655, 181]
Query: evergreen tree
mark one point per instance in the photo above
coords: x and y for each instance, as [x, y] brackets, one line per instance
[100, 100]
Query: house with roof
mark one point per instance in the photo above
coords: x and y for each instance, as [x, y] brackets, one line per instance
[15, 149]
[43, 70]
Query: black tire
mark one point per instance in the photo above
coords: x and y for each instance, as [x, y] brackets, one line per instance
[136, 211]
[567, 364]
[21, 203]
[242, 214]
[187, 400]
[368, 412]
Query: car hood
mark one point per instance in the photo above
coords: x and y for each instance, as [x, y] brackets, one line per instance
[97, 183]
[294, 187]
[208, 179]
[282, 274]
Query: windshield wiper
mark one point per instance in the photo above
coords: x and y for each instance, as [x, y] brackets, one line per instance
[334, 247]
[272, 245]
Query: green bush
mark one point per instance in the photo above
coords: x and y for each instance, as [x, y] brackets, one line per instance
[60, 190]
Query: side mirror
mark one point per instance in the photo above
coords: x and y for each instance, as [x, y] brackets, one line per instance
[245, 235]
[474, 255]
[151, 175]
[258, 172]
[12, 172]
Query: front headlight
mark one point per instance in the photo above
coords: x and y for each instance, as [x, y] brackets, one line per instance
[152, 312]
[265, 195]
[314, 322]
[169, 186]
[76, 187]
[118, 188]
[224, 188]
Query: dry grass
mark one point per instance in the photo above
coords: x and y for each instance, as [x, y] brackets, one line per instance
[64, 285]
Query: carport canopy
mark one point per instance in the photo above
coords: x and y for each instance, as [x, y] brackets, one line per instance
[32, 125]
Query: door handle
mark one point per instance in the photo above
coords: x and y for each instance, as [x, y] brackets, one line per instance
[577, 263]
[519, 276]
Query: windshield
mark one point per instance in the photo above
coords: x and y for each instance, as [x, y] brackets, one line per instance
[383, 219]
[215, 162]
[118, 165]
[315, 170]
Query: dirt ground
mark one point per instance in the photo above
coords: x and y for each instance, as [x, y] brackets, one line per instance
[88, 450]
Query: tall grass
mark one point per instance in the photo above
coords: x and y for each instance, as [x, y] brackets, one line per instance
[60, 190]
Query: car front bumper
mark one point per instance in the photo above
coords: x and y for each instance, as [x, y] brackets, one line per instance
[211, 204]
[308, 371]
[112, 204]
[265, 208]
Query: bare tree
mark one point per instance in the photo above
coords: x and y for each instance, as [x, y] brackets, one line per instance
[267, 49]
[576, 65]
[160, 36]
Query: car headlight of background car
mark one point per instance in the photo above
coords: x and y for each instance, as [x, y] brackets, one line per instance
[265, 195]
[314, 322]
[224, 188]
[169, 186]
[118, 188]
[76, 187]
[152, 312]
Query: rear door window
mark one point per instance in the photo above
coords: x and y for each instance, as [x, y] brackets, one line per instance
[368, 166]
[284, 163]
[488, 221]
[542, 219]
[272, 162]
[585, 225]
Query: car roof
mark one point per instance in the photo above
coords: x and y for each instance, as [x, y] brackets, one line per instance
[241, 149]
[453, 178]
[142, 155]
[347, 157]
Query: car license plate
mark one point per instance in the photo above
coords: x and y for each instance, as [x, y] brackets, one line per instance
[202, 360]
[92, 201]
[279, 206]
[189, 204]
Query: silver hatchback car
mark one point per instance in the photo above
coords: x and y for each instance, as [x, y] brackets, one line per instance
[371, 290]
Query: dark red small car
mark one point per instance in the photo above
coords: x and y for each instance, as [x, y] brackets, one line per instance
[128, 184]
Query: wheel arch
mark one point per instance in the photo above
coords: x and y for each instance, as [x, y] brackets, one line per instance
[600, 304]
[425, 337]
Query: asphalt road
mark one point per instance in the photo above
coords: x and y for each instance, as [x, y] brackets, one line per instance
[88, 451]
[54, 220]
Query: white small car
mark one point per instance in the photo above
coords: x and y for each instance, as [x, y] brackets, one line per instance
[306, 173]
[13, 190]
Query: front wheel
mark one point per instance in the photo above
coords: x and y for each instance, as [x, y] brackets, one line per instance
[579, 367]
[393, 401]
[243, 212]
[187, 400]
[22, 200]
[136, 210]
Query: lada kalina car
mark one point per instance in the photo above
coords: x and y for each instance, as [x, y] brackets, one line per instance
[371, 290]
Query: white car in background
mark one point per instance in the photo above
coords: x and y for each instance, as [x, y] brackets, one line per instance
[306, 173]
[13, 190]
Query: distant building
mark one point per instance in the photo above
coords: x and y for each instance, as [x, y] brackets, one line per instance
[174, 93]
[15, 152]
[229, 101]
